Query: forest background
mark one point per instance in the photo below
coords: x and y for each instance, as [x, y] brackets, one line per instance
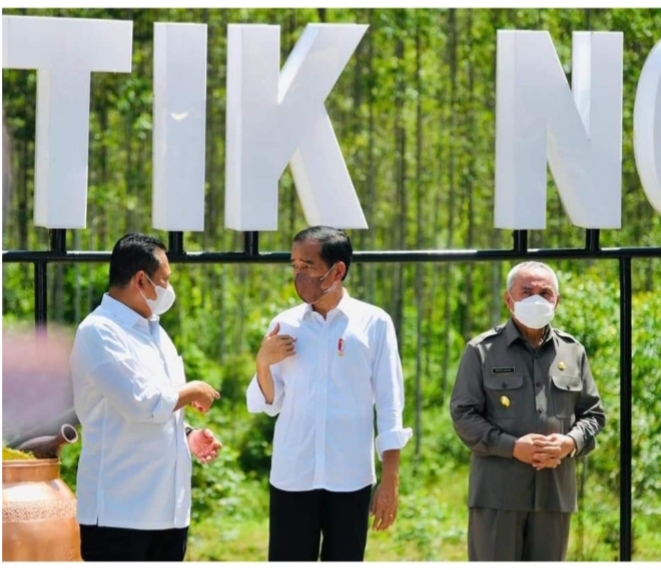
[414, 114]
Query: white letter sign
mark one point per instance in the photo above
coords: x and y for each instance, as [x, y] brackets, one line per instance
[275, 117]
[64, 51]
[647, 127]
[579, 131]
[180, 101]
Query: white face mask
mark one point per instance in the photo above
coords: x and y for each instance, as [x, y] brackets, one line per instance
[534, 312]
[164, 298]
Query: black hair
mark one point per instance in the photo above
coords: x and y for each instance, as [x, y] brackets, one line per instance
[334, 244]
[133, 253]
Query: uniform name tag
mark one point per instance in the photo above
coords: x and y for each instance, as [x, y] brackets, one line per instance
[503, 370]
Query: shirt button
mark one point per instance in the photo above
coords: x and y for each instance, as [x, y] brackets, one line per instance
[539, 410]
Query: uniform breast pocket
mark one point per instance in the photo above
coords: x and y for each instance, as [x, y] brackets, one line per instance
[505, 396]
[564, 394]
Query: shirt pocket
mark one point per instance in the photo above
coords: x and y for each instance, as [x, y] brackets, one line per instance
[505, 396]
[352, 356]
[565, 390]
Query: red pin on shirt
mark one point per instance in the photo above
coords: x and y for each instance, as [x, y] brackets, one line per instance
[340, 347]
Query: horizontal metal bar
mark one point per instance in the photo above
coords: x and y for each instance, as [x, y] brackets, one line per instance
[412, 256]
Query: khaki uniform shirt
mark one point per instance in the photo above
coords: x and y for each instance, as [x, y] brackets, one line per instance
[505, 390]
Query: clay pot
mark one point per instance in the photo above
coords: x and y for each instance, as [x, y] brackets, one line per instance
[38, 513]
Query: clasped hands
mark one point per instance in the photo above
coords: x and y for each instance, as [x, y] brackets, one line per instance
[543, 451]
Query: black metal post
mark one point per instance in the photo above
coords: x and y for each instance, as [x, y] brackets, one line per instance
[40, 294]
[521, 241]
[592, 240]
[251, 243]
[58, 240]
[625, 410]
[176, 242]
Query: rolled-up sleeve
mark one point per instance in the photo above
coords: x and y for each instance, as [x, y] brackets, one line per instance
[109, 366]
[255, 397]
[388, 385]
[467, 407]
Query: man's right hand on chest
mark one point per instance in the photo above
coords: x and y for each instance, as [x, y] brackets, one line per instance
[275, 348]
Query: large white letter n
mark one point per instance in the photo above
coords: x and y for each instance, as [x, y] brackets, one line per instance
[275, 118]
[579, 131]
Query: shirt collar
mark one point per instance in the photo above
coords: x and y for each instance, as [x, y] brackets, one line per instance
[512, 333]
[124, 314]
[342, 306]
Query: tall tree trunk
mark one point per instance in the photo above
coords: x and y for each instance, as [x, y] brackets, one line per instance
[437, 208]
[357, 128]
[371, 273]
[452, 54]
[496, 267]
[128, 174]
[209, 235]
[24, 194]
[419, 239]
[400, 146]
[57, 311]
[496, 290]
[472, 154]
[78, 292]
[98, 227]
[293, 195]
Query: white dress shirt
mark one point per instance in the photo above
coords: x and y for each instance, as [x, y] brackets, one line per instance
[135, 466]
[345, 366]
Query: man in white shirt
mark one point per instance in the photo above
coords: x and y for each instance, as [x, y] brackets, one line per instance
[324, 367]
[134, 472]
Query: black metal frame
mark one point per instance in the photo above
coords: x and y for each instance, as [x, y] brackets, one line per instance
[176, 254]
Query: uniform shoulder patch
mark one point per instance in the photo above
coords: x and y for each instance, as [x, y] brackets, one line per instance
[565, 335]
[488, 334]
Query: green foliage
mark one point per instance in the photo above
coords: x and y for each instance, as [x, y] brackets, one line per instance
[416, 127]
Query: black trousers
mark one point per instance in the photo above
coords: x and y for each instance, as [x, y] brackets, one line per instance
[103, 544]
[512, 536]
[298, 520]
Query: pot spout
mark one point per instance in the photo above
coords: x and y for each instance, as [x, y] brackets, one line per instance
[48, 446]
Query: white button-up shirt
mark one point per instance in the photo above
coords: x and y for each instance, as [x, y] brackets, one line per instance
[135, 466]
[345, 367]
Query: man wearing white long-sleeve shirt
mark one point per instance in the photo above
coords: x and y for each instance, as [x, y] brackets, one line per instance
[134, 472]
[325, 366]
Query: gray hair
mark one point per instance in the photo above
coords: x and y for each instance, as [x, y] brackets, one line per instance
[514, 272]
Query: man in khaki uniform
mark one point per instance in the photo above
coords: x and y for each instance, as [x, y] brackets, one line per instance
[526, 405]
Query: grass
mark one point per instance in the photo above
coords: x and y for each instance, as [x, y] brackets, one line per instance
[431, 522]
[431, 526]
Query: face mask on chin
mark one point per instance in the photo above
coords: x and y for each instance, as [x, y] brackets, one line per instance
[310, 289]
[534, 312]
[164, 298]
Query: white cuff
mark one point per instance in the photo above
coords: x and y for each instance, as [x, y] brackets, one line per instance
[392, 439]
[257, 402]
